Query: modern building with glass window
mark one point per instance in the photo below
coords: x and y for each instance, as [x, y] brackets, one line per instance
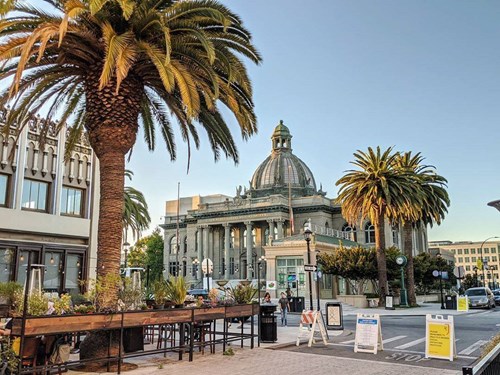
[46, 205]
[265, 219]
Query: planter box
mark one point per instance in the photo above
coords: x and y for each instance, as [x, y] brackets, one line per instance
[55, 324]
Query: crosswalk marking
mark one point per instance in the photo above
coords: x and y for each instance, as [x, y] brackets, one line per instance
[410, 344]
[386, 341]
[473, 347]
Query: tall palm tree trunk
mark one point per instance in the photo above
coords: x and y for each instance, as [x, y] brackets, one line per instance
[381, 259]
[408, 251]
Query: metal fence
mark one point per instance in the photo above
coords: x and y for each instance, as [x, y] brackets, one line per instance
[488, 365]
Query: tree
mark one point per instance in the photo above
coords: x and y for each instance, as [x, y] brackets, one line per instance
[110, 66]
[470, 281]
[148, 254]
[358, 265]
[428, 205]
[135, 210]
[425, 281]
[378, 192]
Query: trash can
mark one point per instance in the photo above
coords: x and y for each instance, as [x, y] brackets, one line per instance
[450, 302]
[268, 324]
[296, 304]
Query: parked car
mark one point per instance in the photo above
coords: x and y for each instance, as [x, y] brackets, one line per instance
[496, 295]
[480, 297]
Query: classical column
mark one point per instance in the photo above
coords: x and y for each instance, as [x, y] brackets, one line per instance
[249, 249]
[271, 232]
[205, 242]
[227, 234]
[280, 229]
[199, 250]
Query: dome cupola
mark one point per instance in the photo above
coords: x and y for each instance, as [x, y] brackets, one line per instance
[282, 170]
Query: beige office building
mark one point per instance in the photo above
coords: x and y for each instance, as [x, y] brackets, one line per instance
[468, 255]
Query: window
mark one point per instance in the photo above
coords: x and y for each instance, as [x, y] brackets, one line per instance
[4, 183]
[173, 245]
[71, 201]
[473, 259]
[466, 251]
[487, 259]
[6, 264]
[494, 259]
[460, 260]
[493, 250]
[232, 271]
[245, 238]
[472, 251]
[52, 276]
[369, 233]
[467, 259]
[453, 251]
[35, 195]
[232, 239]
[185, 244]
[349, 232]
[459, 251]
[467, 268]
[73, 274]
[486, 251]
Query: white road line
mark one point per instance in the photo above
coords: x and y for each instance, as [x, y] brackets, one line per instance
[348, 342]
[473, 347]
[386, 341]
[410, 344]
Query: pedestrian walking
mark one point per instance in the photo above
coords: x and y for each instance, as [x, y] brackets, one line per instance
[284, 308]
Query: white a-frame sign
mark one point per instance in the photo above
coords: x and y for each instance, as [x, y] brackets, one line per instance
[368, 334]
[315, 319]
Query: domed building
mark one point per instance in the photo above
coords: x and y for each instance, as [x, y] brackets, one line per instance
[263, 220]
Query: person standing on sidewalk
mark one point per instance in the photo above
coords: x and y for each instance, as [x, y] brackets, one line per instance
[284, 308]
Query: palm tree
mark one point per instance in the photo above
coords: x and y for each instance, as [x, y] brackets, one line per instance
[110, 66]
[429, 205]
[378, 192]
[135, 210]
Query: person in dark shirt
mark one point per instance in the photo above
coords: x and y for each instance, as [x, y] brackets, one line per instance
[284, 307]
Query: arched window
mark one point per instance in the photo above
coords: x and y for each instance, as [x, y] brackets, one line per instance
[266, 236]
[350, 232]
[327, 225]
[185, 244]
[173, 245]
[369, 233]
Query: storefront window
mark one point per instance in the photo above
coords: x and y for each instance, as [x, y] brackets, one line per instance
[6, 263]
[52, 275]
[73, 274]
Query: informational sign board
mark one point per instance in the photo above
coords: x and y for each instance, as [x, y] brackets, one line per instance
[440, 337]
[368, 337]
[271, 285]
[311, 323]
[389, 302]
[463, 303]
[334, 317]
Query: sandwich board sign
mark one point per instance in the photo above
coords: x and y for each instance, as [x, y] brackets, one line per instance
[334, 318]
[440, 337]
[314, 318]
[368, 337]
[463, 303]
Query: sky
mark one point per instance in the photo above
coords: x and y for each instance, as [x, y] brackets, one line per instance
[422, 76]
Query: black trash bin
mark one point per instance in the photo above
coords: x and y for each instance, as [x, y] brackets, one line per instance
[268, 324]
[296, 304]
[450, 302]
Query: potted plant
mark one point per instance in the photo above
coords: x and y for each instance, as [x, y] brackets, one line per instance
[177, 290]
[8, 291]
[37, 304]
[62, 305]
[244, 293]
[160, 293]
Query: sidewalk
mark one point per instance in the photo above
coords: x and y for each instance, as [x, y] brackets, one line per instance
[422, 310]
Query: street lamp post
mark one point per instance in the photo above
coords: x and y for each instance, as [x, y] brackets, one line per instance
[126, 247]
[259, 267]
[441, 280]
[307, 236]
[482, 259]
[208, 275]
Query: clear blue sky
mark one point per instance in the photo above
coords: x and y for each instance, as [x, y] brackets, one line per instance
[344, 75]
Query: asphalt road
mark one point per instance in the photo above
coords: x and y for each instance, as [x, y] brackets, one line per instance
[404, 339]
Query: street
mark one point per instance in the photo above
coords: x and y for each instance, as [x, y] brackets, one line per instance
[404, 339]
